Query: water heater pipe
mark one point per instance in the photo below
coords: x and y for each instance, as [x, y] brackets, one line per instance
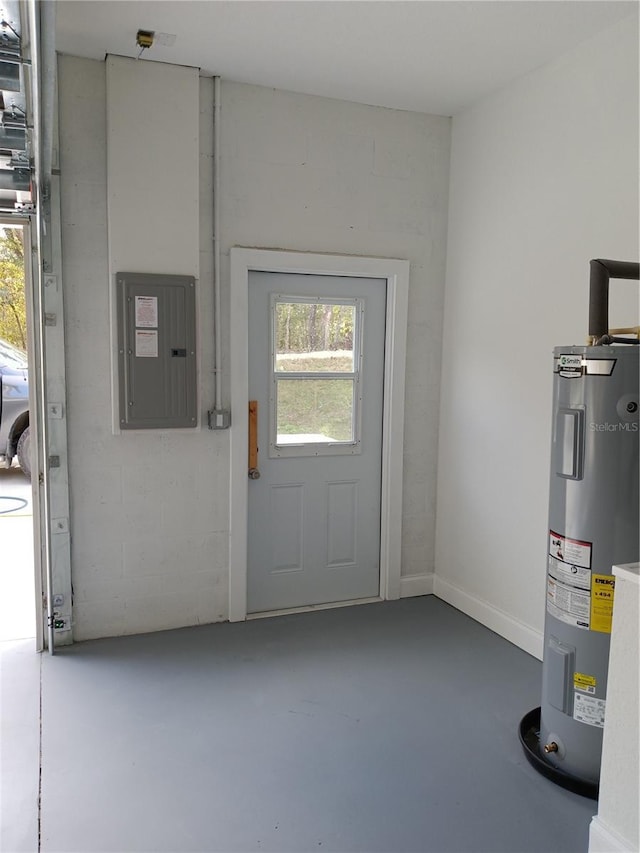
[601, 271]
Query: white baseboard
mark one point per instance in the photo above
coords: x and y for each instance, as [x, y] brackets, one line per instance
[604, 840]
[511, 629]
[411, 585]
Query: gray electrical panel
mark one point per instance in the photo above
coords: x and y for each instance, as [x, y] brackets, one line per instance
[156, 351]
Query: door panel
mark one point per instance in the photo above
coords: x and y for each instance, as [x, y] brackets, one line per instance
[285, 509]
[342, 518]
[314, 513]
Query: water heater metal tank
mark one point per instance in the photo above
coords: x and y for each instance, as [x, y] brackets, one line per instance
[593, 525]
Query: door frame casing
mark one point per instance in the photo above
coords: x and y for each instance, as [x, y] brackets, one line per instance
[396, 274]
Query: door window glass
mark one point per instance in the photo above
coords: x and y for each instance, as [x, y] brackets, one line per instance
[314, 410]
[314, 337]
[315, 374]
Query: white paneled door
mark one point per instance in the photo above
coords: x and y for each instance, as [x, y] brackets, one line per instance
[316, 376]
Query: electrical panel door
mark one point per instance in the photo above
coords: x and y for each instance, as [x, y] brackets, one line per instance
[156, 351]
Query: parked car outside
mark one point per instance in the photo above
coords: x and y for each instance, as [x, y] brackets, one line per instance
[14, 412]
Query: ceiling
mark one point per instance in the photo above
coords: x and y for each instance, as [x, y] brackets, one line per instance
[434, 56]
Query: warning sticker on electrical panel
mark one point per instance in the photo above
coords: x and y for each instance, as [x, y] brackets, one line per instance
[602, 592]
[586, 683]
[569, 580]
[147, 312]
[588, 709]
[146, 344]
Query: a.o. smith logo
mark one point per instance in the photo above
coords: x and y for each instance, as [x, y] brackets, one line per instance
[571, 361]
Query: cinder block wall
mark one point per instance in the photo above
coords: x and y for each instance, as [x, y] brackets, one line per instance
[149, 511]
[308, 173]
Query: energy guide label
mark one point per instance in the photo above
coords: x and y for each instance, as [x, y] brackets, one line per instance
[602, 592]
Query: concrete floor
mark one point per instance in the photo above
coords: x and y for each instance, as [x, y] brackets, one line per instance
[17, 582]
[383, 727]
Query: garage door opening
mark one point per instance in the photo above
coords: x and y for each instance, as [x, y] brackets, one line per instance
[17, 579]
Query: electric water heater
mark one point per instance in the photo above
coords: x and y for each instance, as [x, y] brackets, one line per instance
[593, 525]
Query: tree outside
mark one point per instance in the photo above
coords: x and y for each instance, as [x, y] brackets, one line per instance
[304, 327]
[13, 308]
[315, 338]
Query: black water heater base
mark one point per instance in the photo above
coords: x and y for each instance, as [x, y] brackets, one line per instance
[529, 733]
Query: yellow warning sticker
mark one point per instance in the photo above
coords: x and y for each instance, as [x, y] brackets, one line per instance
[602, 587]
[586, 683]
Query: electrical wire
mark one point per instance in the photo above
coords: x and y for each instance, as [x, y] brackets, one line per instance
[22, 503]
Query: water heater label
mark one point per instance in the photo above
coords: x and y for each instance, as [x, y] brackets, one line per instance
[588, 709]
[569, 366]
[586, 683]
[575, 552]
[569, 573]
[569, 580]
[568, 604]
[602, 591]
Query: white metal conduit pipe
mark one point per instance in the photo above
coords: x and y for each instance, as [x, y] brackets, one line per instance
[217, 365]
